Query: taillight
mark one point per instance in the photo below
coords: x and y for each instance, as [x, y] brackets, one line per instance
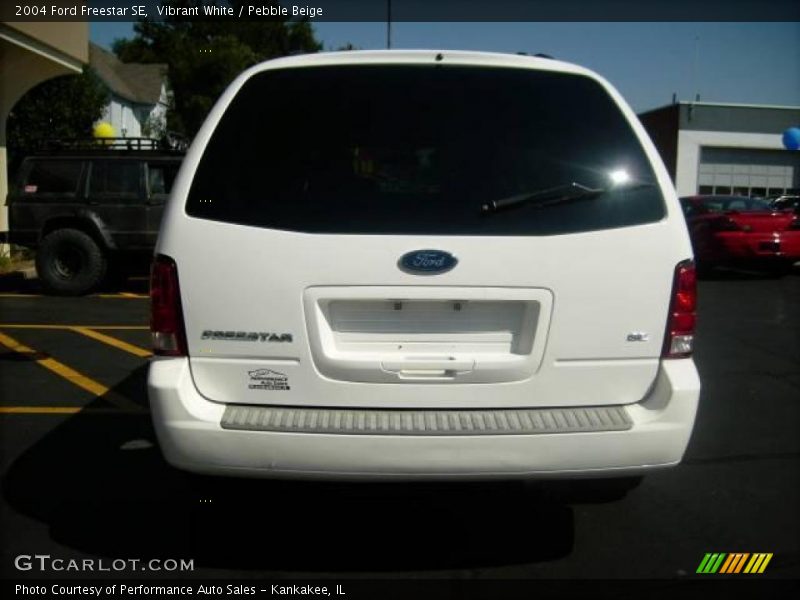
[166, 316]
[679, 338]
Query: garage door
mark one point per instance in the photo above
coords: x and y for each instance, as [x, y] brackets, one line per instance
[748, 172]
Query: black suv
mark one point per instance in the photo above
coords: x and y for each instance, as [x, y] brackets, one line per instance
[88, 207]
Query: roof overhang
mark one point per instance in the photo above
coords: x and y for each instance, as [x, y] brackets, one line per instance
[30, 44]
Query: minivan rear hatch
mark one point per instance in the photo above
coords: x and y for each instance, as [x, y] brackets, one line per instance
[316, 189]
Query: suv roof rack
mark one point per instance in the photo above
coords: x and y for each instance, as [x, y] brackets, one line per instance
[117, 144]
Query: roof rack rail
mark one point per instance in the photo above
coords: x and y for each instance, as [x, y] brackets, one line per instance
[169, 143]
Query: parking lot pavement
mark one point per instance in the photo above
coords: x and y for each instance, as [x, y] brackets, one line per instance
[82, 476]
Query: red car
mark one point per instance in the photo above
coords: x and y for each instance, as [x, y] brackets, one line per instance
[741, 230]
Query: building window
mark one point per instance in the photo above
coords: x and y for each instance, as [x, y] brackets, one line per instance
[722, 189]
[758, 192]
[705, 189]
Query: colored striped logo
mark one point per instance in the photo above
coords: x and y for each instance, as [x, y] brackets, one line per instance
[735, 562]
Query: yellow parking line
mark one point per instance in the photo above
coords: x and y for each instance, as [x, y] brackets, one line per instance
[71, 375]
[128, 295]
[65, 410]
[12, 295]
[39, 410]
[112, 341]
[62, 326]
[123, 295]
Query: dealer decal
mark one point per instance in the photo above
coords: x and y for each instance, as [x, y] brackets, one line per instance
[267, 379]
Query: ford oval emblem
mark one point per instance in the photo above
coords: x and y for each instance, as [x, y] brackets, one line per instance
[427, 262]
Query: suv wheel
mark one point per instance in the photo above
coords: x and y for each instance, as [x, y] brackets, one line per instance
[69, 262]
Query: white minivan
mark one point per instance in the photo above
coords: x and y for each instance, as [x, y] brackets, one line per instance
[423, 264]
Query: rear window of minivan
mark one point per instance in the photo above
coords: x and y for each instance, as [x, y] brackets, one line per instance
[419, 150]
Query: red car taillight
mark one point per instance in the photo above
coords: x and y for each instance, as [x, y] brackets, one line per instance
[166, 316]
[679, 338]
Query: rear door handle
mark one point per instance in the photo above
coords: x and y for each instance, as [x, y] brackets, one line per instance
[433, 367]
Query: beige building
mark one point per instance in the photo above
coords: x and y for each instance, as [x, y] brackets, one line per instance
[31, 53]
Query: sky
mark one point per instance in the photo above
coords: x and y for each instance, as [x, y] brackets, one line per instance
[749, 63]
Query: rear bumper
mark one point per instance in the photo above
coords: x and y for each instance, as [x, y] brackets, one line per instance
[192, 438]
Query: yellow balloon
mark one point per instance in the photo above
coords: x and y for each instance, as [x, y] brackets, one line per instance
[104, 130]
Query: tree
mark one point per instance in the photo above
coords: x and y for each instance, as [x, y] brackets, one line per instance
[63, 107]
[204, 56]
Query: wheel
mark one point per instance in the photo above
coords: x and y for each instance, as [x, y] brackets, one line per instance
[70, 263]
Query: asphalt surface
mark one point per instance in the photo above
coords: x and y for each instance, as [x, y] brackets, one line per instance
[83, 477]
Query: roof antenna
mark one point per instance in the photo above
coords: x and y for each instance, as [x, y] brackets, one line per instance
[695, 64]
[388, 24]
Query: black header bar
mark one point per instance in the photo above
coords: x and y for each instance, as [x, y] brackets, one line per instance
[404, 10]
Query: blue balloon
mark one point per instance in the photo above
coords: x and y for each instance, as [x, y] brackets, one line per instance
[791, 138]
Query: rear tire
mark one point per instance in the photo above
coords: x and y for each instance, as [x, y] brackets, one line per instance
[70, 263]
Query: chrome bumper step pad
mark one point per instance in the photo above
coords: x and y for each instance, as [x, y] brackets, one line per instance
[527, 421]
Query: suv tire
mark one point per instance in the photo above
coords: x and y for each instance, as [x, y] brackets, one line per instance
[69, 262]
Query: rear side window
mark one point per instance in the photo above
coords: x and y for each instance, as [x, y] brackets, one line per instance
[160, 177]
[53, 177]
[115, 178]
[419, 150]
[725, 203]
[691, 209]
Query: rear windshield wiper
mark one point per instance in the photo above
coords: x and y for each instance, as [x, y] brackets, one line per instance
[550, 196]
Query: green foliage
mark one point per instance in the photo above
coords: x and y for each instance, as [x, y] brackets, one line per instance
[154, 127]
[204, 56]
[63, 107]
